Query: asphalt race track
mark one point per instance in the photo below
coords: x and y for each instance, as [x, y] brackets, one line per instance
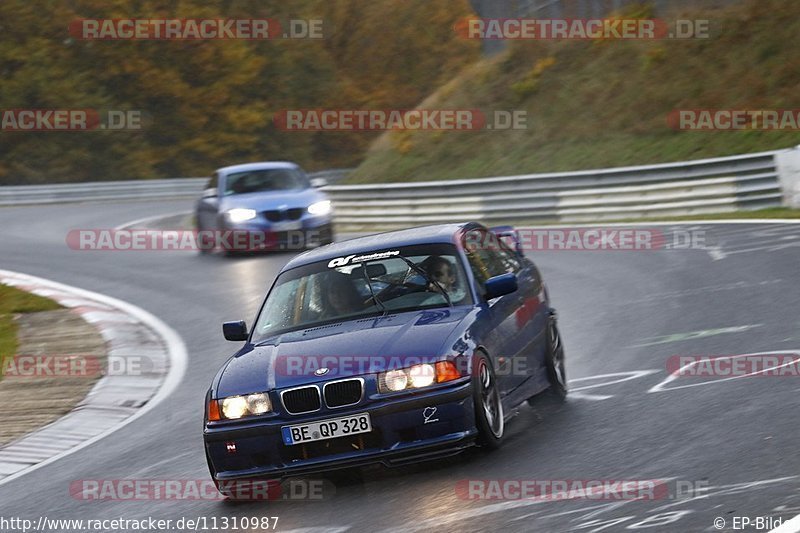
[623, 314]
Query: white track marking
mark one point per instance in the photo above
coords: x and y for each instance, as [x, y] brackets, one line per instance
[701, 334]
[134, 223]
[575, 511]
[590, 397]
[633, 374]
[716, 253]
[725, 490]
[675, 375]
[792, 526]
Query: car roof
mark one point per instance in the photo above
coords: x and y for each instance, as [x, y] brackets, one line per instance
[434, 234]
[263, 165]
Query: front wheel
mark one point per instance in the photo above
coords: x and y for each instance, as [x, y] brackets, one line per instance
[204, 245]
[488, 406]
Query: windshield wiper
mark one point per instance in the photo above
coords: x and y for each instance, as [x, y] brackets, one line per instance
[427, 276]
[378, 303]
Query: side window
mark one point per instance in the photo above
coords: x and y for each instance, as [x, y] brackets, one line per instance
[485, 257]
[213, 183]
[510, 259]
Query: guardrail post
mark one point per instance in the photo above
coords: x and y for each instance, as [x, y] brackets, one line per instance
[788, 164]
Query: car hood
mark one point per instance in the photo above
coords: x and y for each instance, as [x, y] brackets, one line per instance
[261, 201]
[347, 348]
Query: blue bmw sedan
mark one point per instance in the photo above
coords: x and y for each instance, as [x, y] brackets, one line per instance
[275, 200]
[392, 348]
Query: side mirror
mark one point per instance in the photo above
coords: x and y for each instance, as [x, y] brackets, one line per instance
[235, 331]
[318, 182]
[210, 193]
[500, 285]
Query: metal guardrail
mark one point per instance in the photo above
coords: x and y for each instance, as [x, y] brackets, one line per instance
[120, 190]
[101, 191]
[751, 181]
[694, 187]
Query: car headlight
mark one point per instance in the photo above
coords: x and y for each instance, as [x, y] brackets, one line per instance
[417, 376]
[239, 214]
[422, 375]
[395, 380]
[235, 407]
[320, 208]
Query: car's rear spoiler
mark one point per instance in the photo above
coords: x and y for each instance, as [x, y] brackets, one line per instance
[510, 236]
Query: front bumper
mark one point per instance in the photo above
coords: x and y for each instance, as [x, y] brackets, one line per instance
[399, 435]
[311, 233]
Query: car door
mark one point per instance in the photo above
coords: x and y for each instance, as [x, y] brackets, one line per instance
[502, 332]
[532, 312]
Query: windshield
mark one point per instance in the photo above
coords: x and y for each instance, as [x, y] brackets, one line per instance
[368, 284]
[275, 179]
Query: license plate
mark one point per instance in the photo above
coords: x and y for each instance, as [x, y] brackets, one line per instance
[289, 225]
[326, 429]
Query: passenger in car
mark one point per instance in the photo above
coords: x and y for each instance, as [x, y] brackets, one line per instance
[440, 270]
[339, 296]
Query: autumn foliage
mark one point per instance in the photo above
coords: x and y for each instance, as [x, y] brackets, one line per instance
[206, 103]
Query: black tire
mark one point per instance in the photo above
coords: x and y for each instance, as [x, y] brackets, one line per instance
[201, 248]
[488, 405]
[555, 367]
[554, 362]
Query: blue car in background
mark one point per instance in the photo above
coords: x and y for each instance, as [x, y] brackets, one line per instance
[273, 200]
[392, 348]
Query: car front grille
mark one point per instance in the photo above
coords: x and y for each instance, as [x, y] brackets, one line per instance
[302, 400]
[277, 215]
[343, 393]
[273, 215]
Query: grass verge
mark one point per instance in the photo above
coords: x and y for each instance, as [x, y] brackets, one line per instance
[13, 301]
[607, 103]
